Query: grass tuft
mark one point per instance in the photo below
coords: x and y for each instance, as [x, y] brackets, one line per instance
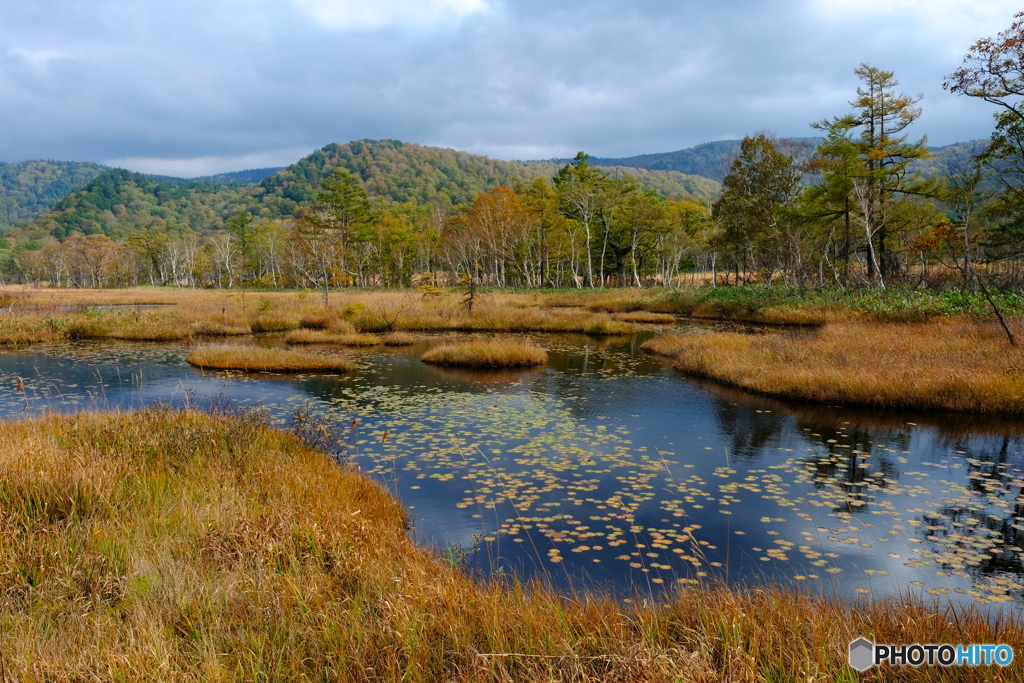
[258, 359]
[399, 339]
[487, 354]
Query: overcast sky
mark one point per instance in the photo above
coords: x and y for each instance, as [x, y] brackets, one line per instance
[189, 87]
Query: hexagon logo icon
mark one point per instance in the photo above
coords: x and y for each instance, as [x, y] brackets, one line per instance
[862, 654]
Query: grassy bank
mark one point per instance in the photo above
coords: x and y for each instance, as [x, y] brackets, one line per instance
[781, 305]
[258, 359]
[56, 315]
[492, 353]
[177, 546]
[945, 365]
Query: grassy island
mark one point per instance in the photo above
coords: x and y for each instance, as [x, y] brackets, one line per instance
[257, 359]
[493, 353]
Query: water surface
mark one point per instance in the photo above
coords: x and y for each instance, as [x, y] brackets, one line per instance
[606, 469]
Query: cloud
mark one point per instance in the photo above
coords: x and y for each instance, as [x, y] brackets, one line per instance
[209, 165]
[375, 14]
[187, 86]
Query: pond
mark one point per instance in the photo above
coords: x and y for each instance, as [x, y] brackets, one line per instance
[608, 470]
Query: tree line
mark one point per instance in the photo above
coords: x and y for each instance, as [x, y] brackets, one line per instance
[855, 213]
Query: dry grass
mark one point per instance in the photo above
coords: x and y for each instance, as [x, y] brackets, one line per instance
[53, 315]
[949, 365]
[168, 546]
[330, 320]
[258, 359]
[645, 317]
[307, 336]
[494, 353]
[399, 339]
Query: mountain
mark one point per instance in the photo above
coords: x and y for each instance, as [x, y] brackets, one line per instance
[407, 172]
[710, 160]
[247, 177]
[117, 201]
[30, 188]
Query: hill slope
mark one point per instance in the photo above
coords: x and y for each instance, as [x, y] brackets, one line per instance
[712, 159]
[30, 188]
[117, 201]
[407, 172]
[249, 176]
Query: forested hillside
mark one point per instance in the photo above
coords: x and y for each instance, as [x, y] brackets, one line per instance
[406, 172]
[118, 201]
[247, 177]
[29, 188]
[712, 159]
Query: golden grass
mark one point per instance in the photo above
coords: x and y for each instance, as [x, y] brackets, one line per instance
[330, 320]
[259, 359]
[950, 365]
[399, 339]
[493, 353]
[273, 323]
[64, 314]
[645, 317]
[176, 546]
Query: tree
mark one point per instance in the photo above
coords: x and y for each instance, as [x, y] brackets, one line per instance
[757, 192]
[881, 114]
[339, 218]
[241, 226]
[580, 193]
[993, 70]
[838, 164]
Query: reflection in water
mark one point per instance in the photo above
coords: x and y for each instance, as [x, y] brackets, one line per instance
[606, 468]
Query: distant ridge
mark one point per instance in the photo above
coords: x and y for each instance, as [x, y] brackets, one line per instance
[711, 159]
[118, 201]
[247, 177]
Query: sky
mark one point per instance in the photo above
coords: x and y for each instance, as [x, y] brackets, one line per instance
[193, 87]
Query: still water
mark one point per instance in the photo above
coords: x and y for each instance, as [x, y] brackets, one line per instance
[607, 469]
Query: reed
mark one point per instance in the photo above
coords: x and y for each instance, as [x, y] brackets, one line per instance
[178, 546]
[495, 353]
[259, 359]
[947, 365]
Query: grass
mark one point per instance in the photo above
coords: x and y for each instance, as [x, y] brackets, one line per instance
[307, 336]
[645, 317]
[259, 359]
[178, 546]
[399, 339]
[493, 353]
[950, 365]
[55, 315]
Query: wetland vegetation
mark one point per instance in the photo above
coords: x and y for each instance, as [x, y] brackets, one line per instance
[580, 513]
[213, 547]
[256, 359]
[540, 500]
[488, 353]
